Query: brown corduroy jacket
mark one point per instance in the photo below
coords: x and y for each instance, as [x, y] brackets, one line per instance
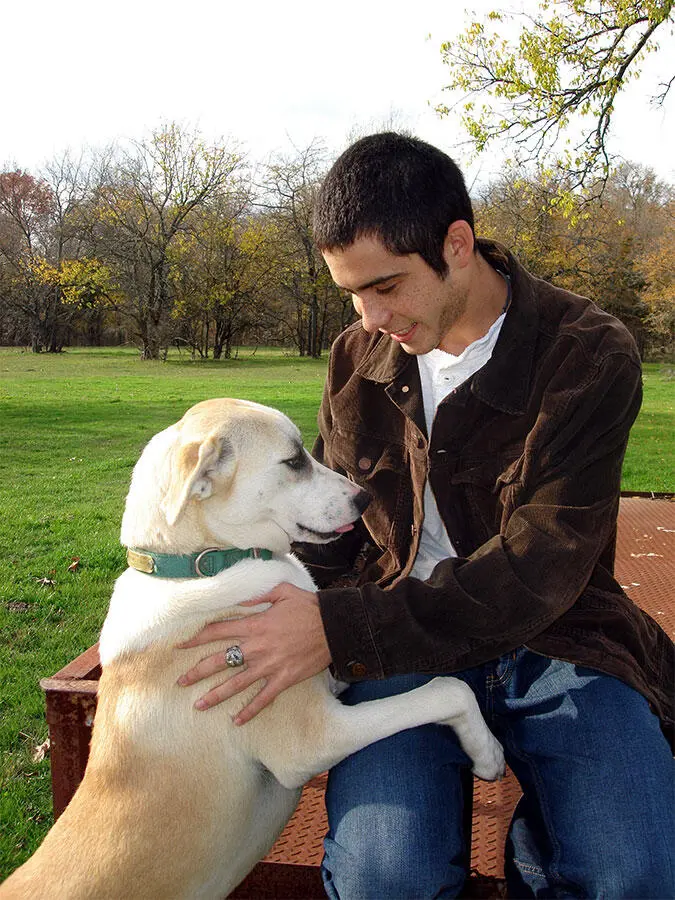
[525, 463]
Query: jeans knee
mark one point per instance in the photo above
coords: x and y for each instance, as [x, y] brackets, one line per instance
[642, 879]
[377, 875]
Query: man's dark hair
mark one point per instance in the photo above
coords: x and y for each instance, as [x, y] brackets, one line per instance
[394, 187]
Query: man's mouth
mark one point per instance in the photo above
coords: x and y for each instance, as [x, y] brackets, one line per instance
[403, 335]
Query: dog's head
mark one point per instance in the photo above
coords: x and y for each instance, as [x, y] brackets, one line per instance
[234, 473]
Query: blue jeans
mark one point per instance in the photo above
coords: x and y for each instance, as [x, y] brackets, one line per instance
[597, 816]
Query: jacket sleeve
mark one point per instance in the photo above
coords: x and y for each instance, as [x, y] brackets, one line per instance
[563, 509]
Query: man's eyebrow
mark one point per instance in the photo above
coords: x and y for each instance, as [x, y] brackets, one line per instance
[369, 284]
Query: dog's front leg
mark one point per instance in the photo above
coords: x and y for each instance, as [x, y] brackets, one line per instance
[343, 730]
[336, 687]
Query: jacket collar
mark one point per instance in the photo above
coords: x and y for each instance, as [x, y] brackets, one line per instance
[504, 381]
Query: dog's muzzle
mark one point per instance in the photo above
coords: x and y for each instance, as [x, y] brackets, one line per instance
[234, 656]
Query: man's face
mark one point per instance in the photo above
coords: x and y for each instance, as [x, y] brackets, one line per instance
[401, 296]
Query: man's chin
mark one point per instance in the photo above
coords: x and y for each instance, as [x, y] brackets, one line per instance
[419, 348]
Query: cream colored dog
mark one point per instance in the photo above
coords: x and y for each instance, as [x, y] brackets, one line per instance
[177, 803]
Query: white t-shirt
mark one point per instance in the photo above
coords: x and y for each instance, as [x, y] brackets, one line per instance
[440, 374]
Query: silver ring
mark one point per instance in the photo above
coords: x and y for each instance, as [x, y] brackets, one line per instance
[234, 656]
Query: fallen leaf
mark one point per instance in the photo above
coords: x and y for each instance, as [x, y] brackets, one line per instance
[46, 582]
[40, 752]
[74, 564]
[18, 606]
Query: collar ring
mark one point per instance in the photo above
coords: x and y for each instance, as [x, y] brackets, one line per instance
[198, 561]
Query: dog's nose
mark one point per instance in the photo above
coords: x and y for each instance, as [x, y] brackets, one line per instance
[362, 500]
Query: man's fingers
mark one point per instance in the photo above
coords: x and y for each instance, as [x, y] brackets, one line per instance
[228, 689]
[260, 701]
[271, 597]
[205, 667]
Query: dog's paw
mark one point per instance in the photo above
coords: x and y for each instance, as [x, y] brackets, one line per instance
[489, 763]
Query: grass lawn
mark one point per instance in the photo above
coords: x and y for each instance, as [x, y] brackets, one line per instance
[72, 427]
[650, 459]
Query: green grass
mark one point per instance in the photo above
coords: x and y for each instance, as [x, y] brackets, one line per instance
[650, 458]
[71, 429]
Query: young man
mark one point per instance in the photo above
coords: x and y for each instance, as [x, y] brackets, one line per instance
[487, 412]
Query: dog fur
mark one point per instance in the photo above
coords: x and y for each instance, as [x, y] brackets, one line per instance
[177, 803]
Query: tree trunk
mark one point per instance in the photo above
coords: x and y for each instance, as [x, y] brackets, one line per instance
[151, 348]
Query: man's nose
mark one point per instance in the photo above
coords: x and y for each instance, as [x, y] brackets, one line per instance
[374, 315]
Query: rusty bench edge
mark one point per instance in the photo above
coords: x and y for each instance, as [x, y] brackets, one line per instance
[72, 686]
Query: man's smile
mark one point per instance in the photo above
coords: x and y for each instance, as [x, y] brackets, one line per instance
[402, 335]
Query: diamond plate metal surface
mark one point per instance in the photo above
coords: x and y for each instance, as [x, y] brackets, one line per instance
[645, 557]
[302, 839]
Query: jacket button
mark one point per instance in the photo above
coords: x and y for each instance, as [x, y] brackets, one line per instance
[365, 463]
[357, 669]
[405, 388]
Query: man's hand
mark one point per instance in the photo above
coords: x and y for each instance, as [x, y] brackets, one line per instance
[283, 646]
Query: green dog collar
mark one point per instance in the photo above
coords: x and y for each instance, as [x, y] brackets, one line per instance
[190, 565]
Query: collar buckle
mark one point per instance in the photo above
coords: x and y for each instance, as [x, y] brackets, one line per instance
[142, 562]
[198, 562]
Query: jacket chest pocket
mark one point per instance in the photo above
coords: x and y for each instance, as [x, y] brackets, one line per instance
[489, 486]
[365, 458]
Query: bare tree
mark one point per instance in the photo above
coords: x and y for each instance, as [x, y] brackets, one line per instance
[146, 197]
[289, 188]
[29, 260]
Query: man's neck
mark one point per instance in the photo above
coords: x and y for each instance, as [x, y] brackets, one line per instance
[488, 293]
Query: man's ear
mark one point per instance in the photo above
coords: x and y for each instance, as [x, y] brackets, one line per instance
[459, 244]
[193, 467]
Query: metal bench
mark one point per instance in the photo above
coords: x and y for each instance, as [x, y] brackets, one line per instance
[645, 566]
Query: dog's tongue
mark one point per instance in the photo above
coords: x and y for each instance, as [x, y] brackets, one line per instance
[344, 528]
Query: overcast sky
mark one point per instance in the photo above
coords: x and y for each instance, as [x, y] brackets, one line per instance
[79, 73]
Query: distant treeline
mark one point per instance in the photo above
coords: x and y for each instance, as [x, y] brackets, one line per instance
[170, 241]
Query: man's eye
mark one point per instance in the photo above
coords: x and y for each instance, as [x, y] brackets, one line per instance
[385, 290]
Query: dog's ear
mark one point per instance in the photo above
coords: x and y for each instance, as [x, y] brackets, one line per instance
[193, 468]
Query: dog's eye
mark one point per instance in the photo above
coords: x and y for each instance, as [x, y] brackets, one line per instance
[296, 462]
